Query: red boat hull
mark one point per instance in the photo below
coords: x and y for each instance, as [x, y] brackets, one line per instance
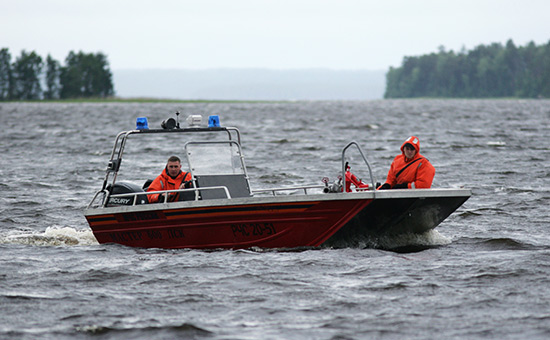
[272, 225]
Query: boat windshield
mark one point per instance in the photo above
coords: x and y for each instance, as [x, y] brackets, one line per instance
[146, 154]
[215, 158]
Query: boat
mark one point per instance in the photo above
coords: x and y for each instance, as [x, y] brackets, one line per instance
[221, 211]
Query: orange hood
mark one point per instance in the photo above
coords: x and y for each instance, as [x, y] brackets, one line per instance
[414, 141]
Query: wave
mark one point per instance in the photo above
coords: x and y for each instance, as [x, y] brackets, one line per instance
[496, 143]
[52, 236]
[502, 243]
[184, 330]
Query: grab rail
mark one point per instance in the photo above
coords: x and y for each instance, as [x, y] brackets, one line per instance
[197, 191]
[273, 190]
[105, 194]
[344, 165]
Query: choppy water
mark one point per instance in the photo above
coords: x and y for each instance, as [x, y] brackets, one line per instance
[486, 278]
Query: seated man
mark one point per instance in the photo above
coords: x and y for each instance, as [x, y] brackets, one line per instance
[410, 169]
[171, 178]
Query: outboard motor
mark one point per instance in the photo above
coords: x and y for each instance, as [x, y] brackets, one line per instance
[126, 188]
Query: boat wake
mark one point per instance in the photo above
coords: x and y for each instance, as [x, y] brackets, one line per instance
[431, 238]
[52, 236]
[402, 242]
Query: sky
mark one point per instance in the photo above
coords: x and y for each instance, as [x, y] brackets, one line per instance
[274, 34]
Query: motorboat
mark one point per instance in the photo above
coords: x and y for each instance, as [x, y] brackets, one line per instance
[221, 210]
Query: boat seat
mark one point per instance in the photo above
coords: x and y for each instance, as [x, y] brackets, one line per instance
[147, 184]
[236, 184]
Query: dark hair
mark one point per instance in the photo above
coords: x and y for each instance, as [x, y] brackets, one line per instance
[174, 159]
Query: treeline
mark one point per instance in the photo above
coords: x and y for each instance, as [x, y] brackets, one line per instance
[486, 71]
[29, 77]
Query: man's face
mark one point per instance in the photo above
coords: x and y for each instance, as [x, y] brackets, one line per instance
[173, 168]
[409, 151]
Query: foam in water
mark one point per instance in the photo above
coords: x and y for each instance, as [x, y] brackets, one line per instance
[431, 238]
[53, 236]
[428, 239]
[496, 143]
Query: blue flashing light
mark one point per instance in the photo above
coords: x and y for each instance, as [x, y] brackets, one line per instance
[213, 121]
[142, 124]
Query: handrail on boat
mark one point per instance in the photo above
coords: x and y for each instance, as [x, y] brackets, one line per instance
[304, 187]
[135, 195]
[104, 192]
[195, 190]
[344, 164]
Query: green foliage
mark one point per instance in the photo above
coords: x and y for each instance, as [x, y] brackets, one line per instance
[5, 74]
[485, 71]
[52, 78]
[85, 75]
[26, 72]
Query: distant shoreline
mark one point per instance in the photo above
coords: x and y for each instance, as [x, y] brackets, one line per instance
[250, 84]
[147, 100]
[236, 101]
[168, 100]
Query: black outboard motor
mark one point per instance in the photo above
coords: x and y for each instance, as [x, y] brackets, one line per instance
[126, 188]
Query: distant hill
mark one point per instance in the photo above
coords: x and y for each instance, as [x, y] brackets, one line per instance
[250, 84]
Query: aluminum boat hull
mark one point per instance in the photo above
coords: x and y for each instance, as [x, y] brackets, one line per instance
[282, 221]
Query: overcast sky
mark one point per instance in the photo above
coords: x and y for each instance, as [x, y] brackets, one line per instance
[278, 34]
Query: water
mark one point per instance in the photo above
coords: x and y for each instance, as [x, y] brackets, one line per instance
[486, 276]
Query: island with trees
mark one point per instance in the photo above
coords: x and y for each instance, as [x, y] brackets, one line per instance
[30, 77]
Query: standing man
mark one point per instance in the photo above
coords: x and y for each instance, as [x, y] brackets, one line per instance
[171, 178]
[410, 170]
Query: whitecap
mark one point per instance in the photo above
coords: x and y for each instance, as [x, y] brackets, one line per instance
[496, 143]
[52, 236]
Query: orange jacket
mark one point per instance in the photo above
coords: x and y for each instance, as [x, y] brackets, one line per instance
[417, 172]
[165, 182]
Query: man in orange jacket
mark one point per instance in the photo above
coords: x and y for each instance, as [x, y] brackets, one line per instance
[409, 170]
[171, 178]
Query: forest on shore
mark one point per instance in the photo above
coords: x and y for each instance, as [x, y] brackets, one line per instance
[30, 77]
[487, 71]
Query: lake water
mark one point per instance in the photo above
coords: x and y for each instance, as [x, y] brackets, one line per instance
[486, 274]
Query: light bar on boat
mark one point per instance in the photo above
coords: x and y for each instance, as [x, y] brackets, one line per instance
[142, 124]
[213, 121]
[194, 120]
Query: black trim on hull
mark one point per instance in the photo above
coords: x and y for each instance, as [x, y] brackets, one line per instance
[394, 217]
